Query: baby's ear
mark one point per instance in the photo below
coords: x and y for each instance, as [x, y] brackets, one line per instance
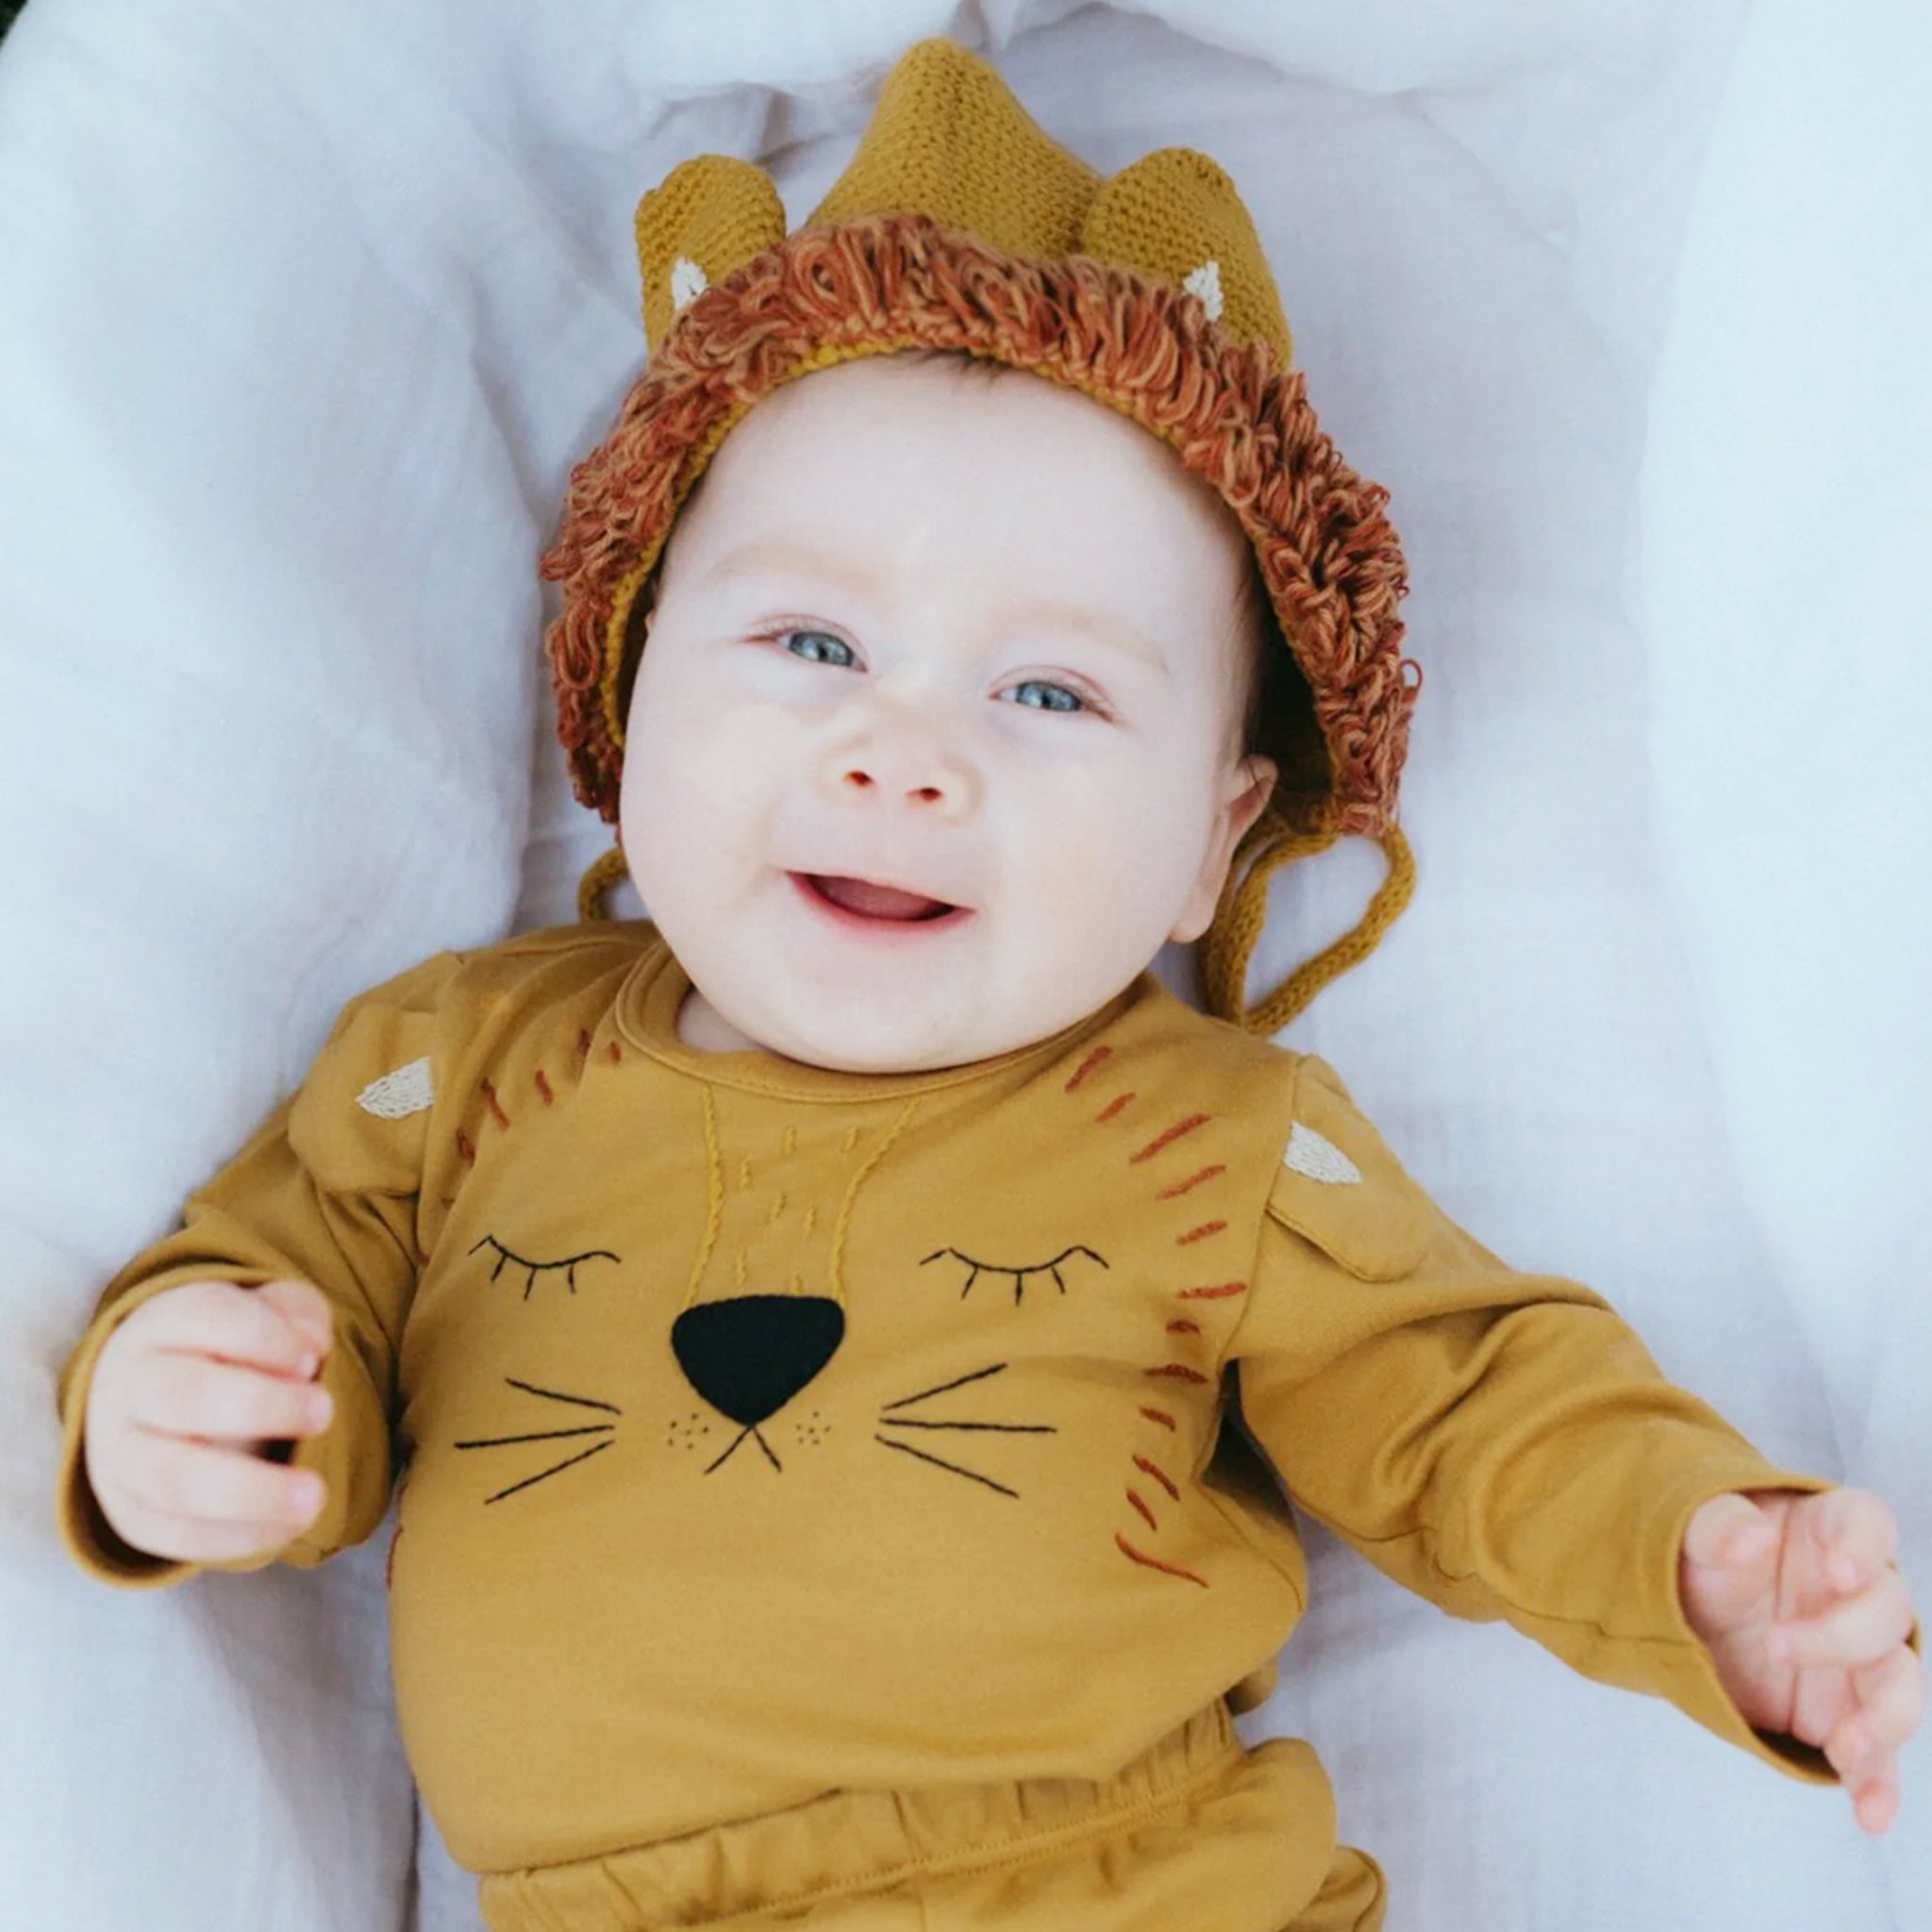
[1251, 786]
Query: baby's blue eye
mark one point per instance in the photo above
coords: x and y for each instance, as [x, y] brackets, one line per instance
[818, 654]
[1053, 703]
[823, 647]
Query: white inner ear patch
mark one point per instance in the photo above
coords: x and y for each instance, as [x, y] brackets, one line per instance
[400, 1093]
[1321, 1160]
[1205, 283]
[686, 280]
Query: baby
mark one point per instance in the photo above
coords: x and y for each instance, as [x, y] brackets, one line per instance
[825, 1333]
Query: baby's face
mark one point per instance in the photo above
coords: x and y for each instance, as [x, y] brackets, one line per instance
[973, 639]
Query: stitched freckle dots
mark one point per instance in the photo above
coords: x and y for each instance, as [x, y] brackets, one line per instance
[960, 225]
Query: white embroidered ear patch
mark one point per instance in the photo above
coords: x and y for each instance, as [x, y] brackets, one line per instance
[687, 280]
[1320, 1158]
[1205, 283]
[404, 1091]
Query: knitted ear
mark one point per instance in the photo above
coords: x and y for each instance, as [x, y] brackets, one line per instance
[1175, 215]
[707, 217]
[949, 139]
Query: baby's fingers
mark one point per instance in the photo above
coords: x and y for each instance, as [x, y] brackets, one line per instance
[1891, 1701]
[172, 1479]
[194, 1397]
[1861, 1629]
[194, 1540]
[1729, 1532]
[234, 1324]
[1854, 1533]
[1875, 1804]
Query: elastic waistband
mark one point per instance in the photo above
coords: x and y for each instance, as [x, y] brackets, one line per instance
[850, 1841]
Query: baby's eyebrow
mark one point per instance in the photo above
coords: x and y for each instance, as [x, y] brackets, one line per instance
[801, 560]
[1102, 627]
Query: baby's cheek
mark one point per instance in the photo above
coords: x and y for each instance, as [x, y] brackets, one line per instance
[1080, 897]
[705, 777]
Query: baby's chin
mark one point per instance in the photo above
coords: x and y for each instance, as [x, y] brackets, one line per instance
[874, 1043]
[874, 1035]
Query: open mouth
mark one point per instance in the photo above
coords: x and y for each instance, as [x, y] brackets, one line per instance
[867, 904]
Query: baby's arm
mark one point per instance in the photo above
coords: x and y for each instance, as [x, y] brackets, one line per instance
[314, 1218]
[1498, 1442]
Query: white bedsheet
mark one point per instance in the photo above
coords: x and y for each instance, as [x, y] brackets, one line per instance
[305, 314]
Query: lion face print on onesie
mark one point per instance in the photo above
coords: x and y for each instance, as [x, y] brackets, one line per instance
[833, 1413]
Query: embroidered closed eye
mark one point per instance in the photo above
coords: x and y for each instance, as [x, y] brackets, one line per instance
[975, 1269]
[569, 1265]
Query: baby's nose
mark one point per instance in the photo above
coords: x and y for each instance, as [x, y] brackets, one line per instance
[914, 765]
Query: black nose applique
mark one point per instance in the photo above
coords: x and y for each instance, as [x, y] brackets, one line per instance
[750, 1356]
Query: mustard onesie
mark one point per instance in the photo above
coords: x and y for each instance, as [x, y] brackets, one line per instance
[831, 1499]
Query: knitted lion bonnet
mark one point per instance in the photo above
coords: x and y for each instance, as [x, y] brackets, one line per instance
[960, 225]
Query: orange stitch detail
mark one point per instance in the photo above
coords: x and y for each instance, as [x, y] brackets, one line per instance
[1158, 1474]
[1213, 1295]
[1112, 1108]
[449, 1201]
[466, 1147]
[543, 1087]
[497, 1113]
[1173, 1133]
[1155, 1562]
[1134, 1497]
[1184, 1327]
[1178, 1372]
[583, 1044]
[1201, 1233]
[614, 1053]
[1159, 1415]
[422, 1260]
[1194, 1180]
[1088, 1065]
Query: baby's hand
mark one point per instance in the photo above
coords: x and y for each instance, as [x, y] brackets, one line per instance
[1806, 1618]
[188, 1395]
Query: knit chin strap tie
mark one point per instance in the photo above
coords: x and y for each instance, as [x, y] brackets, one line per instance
[599, 877]
[1229, 944]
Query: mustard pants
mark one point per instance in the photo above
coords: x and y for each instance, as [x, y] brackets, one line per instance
[1198, 1834]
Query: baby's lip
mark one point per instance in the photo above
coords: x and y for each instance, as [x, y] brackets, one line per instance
[944, 900]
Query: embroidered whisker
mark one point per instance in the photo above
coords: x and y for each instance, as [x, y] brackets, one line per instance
[902, 1422]
[557, 1470]
[582, 1401]
[939, 1462]
[957, 1382]
[537, 1436]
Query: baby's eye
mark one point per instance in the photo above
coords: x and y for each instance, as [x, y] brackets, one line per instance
[821, 647]
[1057, 697]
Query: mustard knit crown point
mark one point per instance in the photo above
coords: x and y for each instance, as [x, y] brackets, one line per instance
[960, 225]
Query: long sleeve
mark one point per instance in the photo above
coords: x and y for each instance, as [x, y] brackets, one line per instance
[325, 1192]
[1499, 1442]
